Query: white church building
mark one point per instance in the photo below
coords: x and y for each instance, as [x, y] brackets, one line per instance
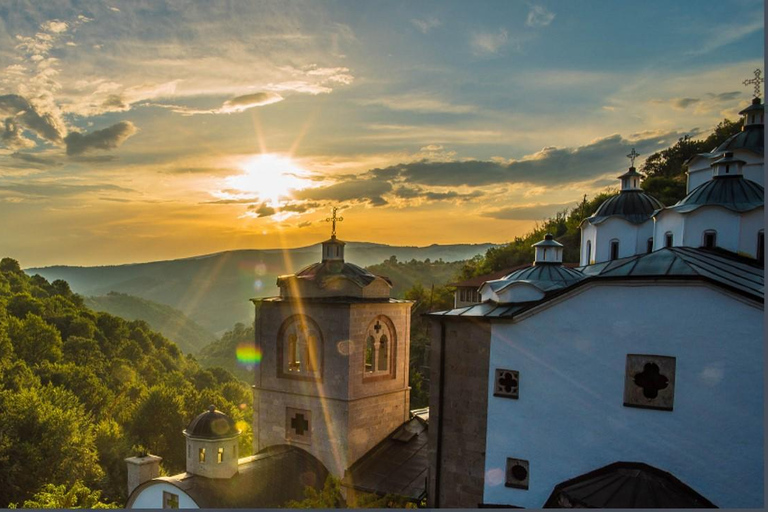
[634, 380]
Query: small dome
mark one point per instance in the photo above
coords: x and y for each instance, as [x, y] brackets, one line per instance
[211, 424]
[546, 277]
[319, 272]
[734, 193]
[752, 139]
[632, 205]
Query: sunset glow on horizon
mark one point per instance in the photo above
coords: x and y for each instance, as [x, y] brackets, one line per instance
[140, 132]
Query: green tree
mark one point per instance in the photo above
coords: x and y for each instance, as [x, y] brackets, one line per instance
[34, 340]
[60, 496]
[329, 497]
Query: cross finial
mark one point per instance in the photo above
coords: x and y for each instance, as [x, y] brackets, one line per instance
[634, 154]
[334, 219]
[756, 81]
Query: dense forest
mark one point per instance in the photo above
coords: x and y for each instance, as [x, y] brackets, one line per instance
[82, 390]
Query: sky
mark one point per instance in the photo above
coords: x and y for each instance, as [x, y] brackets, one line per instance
[148, 130]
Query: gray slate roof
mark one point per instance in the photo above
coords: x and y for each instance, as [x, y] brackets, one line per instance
[632, 205]
[546, 276]
[734, 193]
[721, 268]
[751, 138]
[397, 465]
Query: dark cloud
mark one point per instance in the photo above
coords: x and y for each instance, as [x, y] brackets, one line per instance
[535, 212]
[304, 224]
[108, 138]
[215, 171]
[684, 102]
[93, 159]
[241, 103]
[247, 200]
[725, 96]
[53, 189]
[550, 166]
[299, 207]
[415, 192]
[369, 190]
[114, 103]
[22, 113]
[262, 210]
[33, 159]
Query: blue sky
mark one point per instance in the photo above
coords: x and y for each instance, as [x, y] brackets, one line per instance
[132, 130]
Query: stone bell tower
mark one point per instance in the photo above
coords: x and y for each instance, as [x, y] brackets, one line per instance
[333, 378]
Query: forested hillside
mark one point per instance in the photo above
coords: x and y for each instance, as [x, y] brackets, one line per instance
[171, 323]
[82, 390]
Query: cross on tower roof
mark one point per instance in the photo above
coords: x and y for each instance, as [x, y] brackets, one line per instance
[634, 154]
[756, 81]
[333, 219]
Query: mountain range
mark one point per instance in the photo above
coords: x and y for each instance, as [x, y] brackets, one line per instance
[213, 290]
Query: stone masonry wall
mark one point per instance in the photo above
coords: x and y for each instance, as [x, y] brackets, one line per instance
[465, 402]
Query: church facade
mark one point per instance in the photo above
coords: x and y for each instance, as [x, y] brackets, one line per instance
[634, 380]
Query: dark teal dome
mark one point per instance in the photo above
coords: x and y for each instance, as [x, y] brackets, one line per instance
[735, 193]
[751, 138]
[546, 277]
[212, 424]
[632, 205]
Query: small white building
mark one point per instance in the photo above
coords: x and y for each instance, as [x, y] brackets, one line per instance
[622, 226]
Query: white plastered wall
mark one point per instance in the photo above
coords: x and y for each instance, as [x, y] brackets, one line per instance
[152, 496]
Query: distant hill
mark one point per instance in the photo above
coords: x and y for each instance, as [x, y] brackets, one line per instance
[171, 323]
[427, 273]
[213, 290]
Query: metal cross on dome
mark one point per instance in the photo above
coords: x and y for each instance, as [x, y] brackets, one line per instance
[334, 219]
[756, 81]
[634, 154]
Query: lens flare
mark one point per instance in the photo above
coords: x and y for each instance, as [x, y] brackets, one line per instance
[248, 354]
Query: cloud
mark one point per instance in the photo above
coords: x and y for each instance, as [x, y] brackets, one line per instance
[235, 105]
[725, 96]
[304, 224]
[728, 33]
[213, 171]
[419, 104]
[550, 167]
[262, 210]
[432, 147]
[299, 207]
[488, 43]
[404, 192]
[352, 190]
[55, 26]
[539, 16]
[108, 138]
[45, 189]
[20, 113]
[530, 212]
[683, 103]
[33, 159]
[425, 25]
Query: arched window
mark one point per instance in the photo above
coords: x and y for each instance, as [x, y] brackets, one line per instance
[380, 344]
[300, 348]
[760, 253]
[649, 246]
[668, 239]
[614, 249]
[589, 252]
[709, 239]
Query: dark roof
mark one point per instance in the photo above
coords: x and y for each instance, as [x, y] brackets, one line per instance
[212, 424]
[721, 268]
[626, 485]
[266, 480]
[632, 205]
[397, 465]
[322, 273]
[546, 275]
[751, 138]
[735, 193]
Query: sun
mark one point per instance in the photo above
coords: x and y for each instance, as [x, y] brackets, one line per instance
[270, 177]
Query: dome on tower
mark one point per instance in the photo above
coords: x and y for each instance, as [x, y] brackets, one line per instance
[212, 424]
[632, 205]
[736, 194]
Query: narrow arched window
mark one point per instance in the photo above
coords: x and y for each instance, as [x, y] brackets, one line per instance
[760, 253]
[300, 348]
[614, 249]
[649, 245]
[668, 239]
[380, 346]
[369, 353]
[709, 239]
[589, 252]
[382, 362]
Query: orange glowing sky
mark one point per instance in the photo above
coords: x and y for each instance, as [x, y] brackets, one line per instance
[138, 132]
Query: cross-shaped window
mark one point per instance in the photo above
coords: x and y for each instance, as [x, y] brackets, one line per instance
[170, 500]
[299, 424]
